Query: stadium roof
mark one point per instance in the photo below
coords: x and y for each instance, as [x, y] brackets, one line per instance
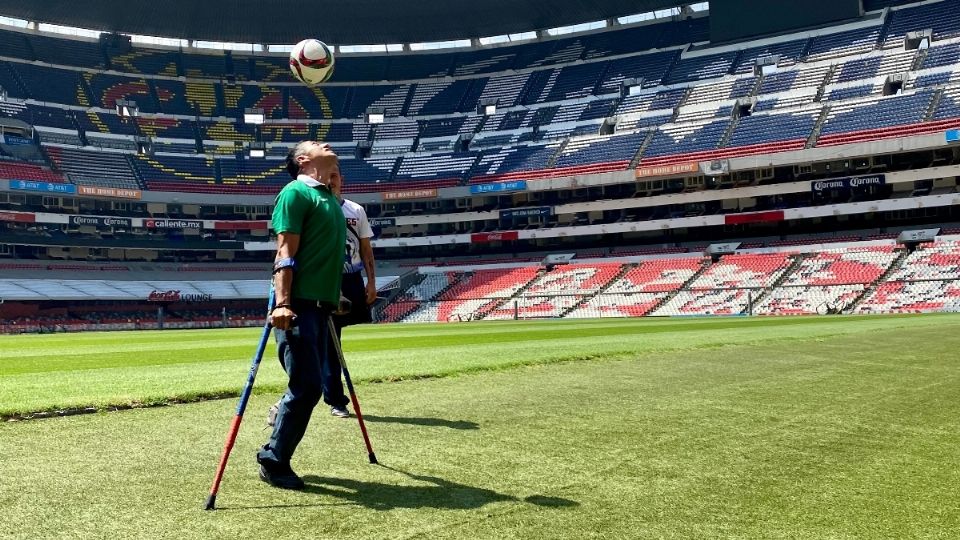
[344, 22]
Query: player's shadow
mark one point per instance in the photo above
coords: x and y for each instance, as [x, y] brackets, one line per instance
[437, 493]
[430, 422]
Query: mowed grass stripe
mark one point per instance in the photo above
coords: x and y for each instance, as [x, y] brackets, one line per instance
[379, 337]
[846, 436]
[165, 367]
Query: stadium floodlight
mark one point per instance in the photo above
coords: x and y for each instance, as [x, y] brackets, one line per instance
[374, 115]
[257, 149]
[253, 116]
[487, 107]
[127, 108]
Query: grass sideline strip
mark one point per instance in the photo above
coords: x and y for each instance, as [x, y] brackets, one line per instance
[59, 375]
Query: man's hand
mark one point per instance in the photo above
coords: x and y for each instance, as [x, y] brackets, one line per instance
[282, 318]
[371, 292]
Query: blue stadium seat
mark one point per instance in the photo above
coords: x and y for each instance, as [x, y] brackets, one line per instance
[107, 89]
[834, 45]
[601, 148]
[147, 62]
[942, 17]
[851, 92]
[50, 84]
[571, 82]
[514, 159]
[949, 106]
[872, 114]
[942, 55]
[789, 53]
[389, 97]
[766, 128]
[663, 100]
[165, 169]
[652, 68]
[702, 67]
[681, 139]
[198, 65]
[78, 53]
[436, 166]
[104, 169]
[317, 103]
[14, 44]
[445, 127]
[167, 127]
[95, 122]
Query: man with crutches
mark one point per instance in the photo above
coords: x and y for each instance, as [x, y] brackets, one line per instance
[357, 260]
[311, 235]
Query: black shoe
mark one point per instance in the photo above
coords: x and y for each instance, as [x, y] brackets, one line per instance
[340, 412]
[279, 475]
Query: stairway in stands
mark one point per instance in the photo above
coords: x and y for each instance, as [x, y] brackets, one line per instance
[897, 264]
[623, 271]
[707, 263]
[516, 296]
[794, 266]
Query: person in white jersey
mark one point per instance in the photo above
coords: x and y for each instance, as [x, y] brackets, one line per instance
[358, 260]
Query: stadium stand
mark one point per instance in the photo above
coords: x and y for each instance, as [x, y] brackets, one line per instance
[561, 111]
[692, 121]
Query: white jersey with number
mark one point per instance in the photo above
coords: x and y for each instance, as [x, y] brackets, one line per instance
[357, 227]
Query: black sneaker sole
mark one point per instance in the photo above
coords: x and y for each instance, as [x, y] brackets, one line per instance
[295, 486]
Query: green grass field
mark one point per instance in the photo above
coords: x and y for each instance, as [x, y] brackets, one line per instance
[701, 428]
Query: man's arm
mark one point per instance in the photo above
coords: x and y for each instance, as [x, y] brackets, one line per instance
[369, 266]
[287, 246]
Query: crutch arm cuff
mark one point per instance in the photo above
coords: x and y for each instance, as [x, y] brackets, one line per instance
[286, 262]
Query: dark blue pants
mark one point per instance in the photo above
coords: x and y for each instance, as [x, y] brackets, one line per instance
[303, 351]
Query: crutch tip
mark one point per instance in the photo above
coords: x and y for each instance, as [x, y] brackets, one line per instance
[211, 503]
[373, 458]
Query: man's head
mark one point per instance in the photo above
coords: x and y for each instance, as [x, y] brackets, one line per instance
[314, 159]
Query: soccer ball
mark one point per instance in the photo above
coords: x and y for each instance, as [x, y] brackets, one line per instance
[311, 62]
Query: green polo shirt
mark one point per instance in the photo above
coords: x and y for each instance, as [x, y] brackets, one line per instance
[314, 213]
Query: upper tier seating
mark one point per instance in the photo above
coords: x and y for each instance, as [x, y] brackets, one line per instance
[942, 17]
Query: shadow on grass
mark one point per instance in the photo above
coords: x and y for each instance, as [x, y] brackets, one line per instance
[441, 494]
[430, 422]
